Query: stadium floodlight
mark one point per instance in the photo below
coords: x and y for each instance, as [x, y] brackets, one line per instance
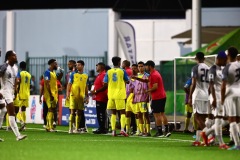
[182, 69]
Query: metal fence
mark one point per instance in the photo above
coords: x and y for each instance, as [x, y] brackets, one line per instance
[38, 65]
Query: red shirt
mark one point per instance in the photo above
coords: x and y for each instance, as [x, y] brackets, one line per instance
[159, 93]
[129, 71]
[98, 83]
[42, 84]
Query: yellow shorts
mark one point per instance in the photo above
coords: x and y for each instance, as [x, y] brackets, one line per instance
[129, 104]
[24, 102]
[141, 107]
[16, 101]
[67, 102]
[188, 108]
[51, 104]
[118, 104]
[76, 103]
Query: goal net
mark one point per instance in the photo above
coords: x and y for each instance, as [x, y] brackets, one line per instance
[182, 72]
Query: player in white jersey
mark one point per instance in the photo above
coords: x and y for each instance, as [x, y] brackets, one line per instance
[215, 82]
[9, 89]
[230, 94]
[198, 96]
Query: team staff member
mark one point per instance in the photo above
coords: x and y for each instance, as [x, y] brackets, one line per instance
[101, 98]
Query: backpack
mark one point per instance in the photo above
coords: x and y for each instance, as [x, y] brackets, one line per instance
[3, 69]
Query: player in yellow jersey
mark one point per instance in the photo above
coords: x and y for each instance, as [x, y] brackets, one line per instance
[51, 92]
[78, 94]
[24, 84]
[115, 79]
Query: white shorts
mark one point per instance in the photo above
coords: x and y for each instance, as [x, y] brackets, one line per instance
[201, 107]
[8, 97]
[232, 106]
[219, 110]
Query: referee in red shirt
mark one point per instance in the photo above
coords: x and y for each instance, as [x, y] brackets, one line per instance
[158, 99]
[101, 98]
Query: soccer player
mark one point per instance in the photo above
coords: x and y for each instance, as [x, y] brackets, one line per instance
[101, 98]
[43, 102]
[215, 81]
[230, 94]
[23, 81]
[198, 96]
[126, 66]
[3, 109]
[188, 108]
[141, 99]
[115, 79]
[51, 92]
[8, 88]
[78, 94]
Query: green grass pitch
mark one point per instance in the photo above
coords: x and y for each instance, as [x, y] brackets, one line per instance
[42, 145]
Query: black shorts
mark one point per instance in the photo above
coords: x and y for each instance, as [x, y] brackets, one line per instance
[158, 105]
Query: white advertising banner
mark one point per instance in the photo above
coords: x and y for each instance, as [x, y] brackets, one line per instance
[126, 33]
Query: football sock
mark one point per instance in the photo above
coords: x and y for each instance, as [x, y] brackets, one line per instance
[2, 114]
[71, 117]
[19, 117]
[218, 130]
[13, 125]
[123, 117]
[77, 121]
[210, 130]
[113, 121]
[7, 120]
[24, 116]
[198, 135]
[195, 126]
[148, 128]
[128, 119]
[233, 130]
[50, 120]
[159, 128]
[141, 128]
[166, 128]
[187, 121]
[137, 124]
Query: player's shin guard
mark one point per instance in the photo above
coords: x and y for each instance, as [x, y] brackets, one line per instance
[2, 114]
[137, 124]
[123, 117]
[128, 119]
[113, 121]
[19, 116]
[13, 125]
[148, 128]
[233, 130]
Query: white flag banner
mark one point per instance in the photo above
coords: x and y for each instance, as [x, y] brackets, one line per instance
[126, 33]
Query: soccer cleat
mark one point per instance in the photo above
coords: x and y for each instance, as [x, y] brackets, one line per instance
[23, 127]
[1, 140]
[21, 137]
[224, 146]
[204, 137]
[8, 129]
[75, 131]
[168, 134]
[114, 133]
[147, 135]
[54, 125]
[234, 148]
[160, 135]
[211, 140]
[124, 134]
[83, 130]
[52, 130]
[196, 143]
[44, 126]
[70, 131]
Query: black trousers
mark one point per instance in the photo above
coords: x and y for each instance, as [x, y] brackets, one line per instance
[45, 111]
[82, 123]
[101, 114]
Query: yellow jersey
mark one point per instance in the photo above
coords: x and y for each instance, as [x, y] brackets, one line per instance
[24, 86]
[52, 77]
[116, 78]
[79, 83]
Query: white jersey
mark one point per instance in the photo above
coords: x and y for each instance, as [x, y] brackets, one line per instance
[231, 74]
[215, 76]
[8, 80]
[200, 72]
